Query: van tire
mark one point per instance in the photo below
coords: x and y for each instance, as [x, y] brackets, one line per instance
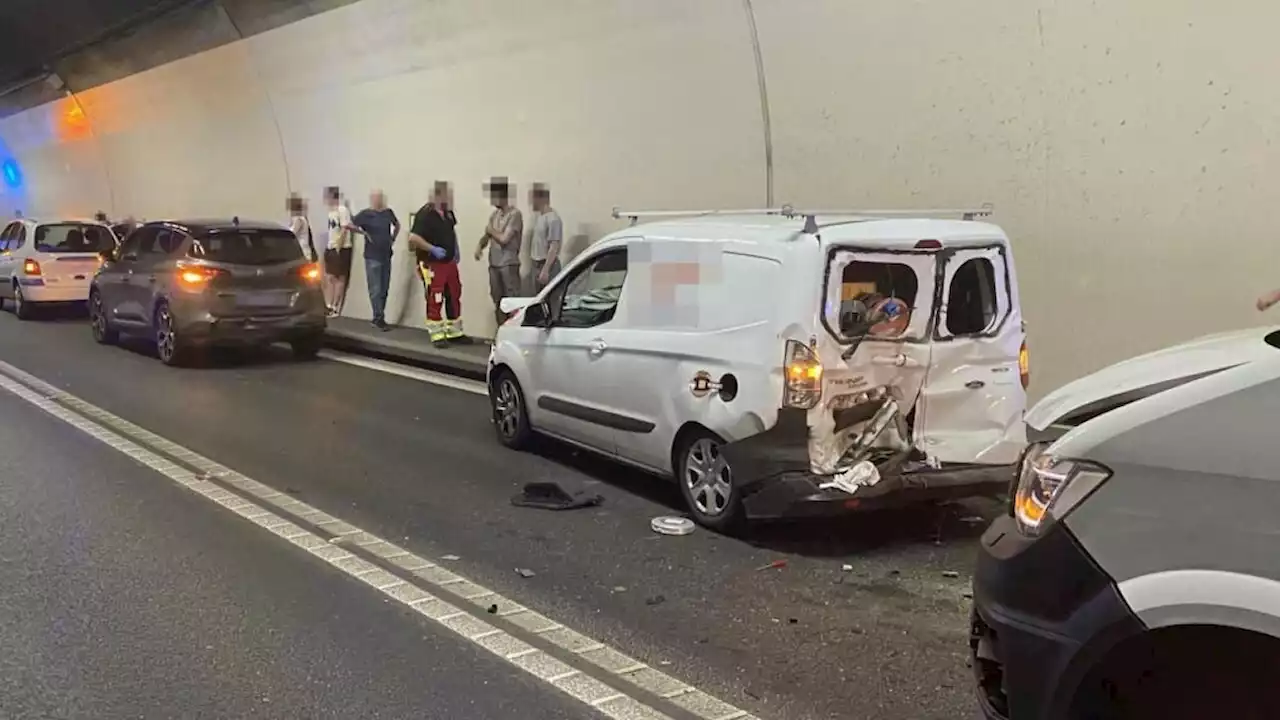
[510, 414]
[704, 477]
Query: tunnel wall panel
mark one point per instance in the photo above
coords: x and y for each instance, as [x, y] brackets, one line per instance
[1125, 146]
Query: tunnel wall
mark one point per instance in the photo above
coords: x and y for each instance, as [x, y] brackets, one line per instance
[1124, 145]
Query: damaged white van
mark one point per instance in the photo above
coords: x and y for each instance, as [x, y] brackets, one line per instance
[779, 362]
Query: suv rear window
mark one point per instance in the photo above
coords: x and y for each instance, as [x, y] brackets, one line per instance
[72, 238]
[248, 247]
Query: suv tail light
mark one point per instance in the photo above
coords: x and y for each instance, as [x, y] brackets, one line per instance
[1024, 365]
[30, 267]
[196, 277]
[310, 272]
[803, 373]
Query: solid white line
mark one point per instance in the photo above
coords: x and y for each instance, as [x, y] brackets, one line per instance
[104, 426]
[405, 371]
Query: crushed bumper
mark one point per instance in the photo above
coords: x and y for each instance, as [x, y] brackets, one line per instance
[1043, 614]
[772, 470]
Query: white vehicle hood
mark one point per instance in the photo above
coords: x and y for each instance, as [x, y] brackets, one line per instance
[1168, 367]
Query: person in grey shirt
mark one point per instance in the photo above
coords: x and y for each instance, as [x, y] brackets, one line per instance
[547, 237]
[502, 237]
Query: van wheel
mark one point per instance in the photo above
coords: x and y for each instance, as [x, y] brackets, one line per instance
[169, 346]
[22, 309]
[103, 333]
[510, 417]
[706, 482]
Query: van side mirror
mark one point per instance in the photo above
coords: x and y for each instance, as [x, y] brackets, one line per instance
[538, 315]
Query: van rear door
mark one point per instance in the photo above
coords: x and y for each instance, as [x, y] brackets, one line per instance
[874, 370]
[973, 401]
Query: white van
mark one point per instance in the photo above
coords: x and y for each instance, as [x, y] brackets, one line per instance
[52, 261]
[778, 362]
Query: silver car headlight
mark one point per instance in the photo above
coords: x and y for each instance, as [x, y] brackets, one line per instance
[1049, 487]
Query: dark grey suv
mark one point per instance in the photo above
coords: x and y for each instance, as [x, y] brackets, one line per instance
[201, 283]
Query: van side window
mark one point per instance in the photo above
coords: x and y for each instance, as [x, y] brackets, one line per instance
[971, 300]
[865, 287]
[590, 297]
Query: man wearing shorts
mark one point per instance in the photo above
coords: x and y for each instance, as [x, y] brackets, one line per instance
[434, 240]
[337, 251]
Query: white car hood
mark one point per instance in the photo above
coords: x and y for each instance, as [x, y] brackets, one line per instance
[1197, 358]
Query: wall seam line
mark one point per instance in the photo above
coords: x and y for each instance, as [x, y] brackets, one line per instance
[749, 9]
[271, 103]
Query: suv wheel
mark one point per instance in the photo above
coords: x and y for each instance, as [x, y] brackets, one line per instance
[103, 333]
[510, 417]
[307, 348]
[22, 309]
[169, 346]
[706, 482]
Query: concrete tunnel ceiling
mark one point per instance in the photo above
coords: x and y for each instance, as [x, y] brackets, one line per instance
[37, 32]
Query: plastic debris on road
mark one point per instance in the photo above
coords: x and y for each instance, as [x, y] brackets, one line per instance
[524, 573]
[670, 525]
[775, 565]
[450, 557]
[550, 496]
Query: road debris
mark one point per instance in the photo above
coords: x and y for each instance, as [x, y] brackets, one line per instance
[550, 496]
[493, 609]
[846, 567]
[671, 525]
[525, 573]
[450, 557]
[950, 574]
[619, 588]
[655, 600]
[775, 565]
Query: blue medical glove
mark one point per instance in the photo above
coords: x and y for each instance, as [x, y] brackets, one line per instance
[437, 252]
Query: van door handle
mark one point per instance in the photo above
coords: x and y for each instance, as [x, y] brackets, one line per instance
[596, 347]
[975, 384]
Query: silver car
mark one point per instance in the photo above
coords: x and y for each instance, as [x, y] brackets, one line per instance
[1136, 573]
[202, 283]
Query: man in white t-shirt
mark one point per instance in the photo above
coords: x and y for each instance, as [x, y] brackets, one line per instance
[337, 250]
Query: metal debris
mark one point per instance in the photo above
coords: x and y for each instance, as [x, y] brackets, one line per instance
[525, 573]
[671, 525]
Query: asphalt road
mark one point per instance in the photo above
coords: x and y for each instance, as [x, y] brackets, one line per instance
[416, 463]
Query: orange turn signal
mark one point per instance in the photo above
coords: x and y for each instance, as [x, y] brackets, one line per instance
[30, 267]
[196, 277]
[310, 272]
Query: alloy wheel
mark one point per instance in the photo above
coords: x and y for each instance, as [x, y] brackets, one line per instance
[707, 477]
[166, 343]
[97, 319]
[506, 408]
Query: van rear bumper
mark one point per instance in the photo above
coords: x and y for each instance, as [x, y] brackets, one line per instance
[772, 471]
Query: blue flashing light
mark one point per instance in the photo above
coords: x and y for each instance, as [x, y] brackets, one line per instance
[11, 172]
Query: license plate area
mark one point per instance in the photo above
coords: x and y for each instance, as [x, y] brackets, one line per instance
[264, 299]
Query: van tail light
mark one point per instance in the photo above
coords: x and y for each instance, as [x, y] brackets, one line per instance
[196, 277]
[1024, 365]
[803, 373]
[30, 267]
[310, 273]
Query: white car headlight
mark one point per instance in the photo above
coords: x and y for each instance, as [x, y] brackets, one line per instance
[1050, 486]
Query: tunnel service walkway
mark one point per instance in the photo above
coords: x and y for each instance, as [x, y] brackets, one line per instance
[408, 345]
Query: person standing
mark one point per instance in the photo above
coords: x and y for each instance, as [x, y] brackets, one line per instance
[380, 226]
[502, 236]
[434, 239]
[337, 251]
[301, 226]
[546, 239]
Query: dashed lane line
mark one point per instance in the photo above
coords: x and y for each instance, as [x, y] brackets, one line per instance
[530, 641]
[450, 381]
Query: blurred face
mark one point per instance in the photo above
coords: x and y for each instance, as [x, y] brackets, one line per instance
[498, 198]
[440, 197]
[377, 200]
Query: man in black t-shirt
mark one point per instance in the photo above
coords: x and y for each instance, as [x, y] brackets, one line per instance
[434, 239]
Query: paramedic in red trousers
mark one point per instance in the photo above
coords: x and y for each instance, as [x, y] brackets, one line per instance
[502, 236]
[434, 239]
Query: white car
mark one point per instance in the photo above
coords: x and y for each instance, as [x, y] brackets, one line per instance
[53, 261]
[779, 362]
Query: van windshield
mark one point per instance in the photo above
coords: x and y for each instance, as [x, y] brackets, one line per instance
[73, 238]
[879, 295]
[248, 247]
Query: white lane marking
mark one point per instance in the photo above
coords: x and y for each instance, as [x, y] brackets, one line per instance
[426, 376]
[114, 431]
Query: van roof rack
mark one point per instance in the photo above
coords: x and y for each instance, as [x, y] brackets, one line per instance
[810, 216]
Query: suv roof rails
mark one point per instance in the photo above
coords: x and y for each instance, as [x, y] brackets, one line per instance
[810, 216]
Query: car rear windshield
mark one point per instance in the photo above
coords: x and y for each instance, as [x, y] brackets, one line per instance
[73, 238]
[248, 247]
